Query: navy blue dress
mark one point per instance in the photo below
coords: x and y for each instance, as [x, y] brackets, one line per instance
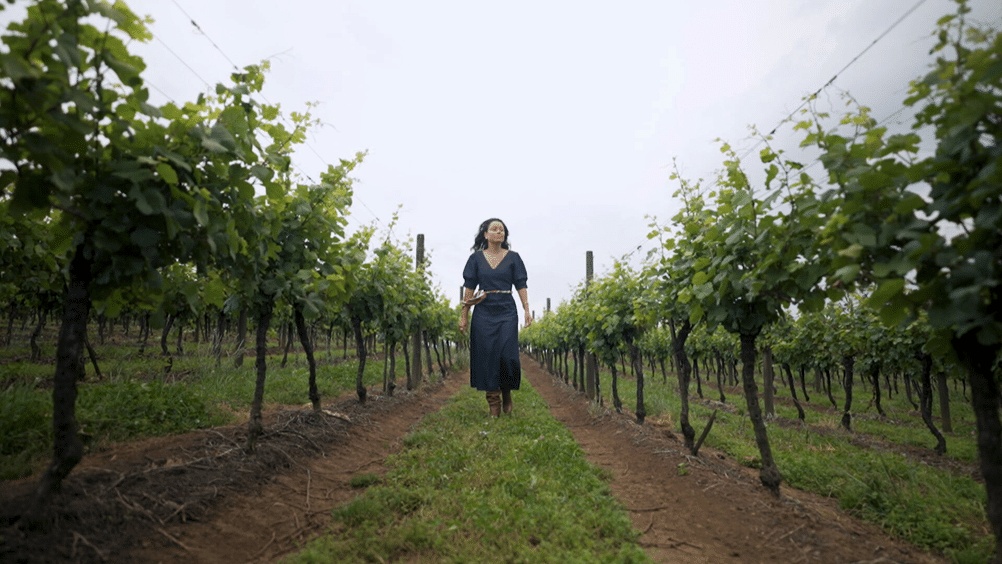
[494, 326]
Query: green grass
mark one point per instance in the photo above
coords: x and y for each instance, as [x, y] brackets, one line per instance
[23, 372]
[25, 429]
[927, 506]
[471, 489]
[125, 409]
[134, 398]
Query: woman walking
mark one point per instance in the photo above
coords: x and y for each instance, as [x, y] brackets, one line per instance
[494, 364]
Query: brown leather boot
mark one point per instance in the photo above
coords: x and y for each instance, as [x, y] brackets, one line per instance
[506, 404]
[494, 402]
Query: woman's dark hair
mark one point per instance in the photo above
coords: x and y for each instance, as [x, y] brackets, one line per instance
[480, 242]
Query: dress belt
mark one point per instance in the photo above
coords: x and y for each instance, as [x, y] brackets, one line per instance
[497, 292]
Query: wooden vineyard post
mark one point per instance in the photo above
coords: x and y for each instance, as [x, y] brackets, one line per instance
[414, 378]
[591, 365]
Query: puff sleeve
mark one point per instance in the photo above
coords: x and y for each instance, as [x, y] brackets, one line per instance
[471, 274]
[519, 276]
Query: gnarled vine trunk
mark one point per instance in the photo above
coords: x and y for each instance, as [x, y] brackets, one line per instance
[254, 426]
[769, 474]
[67, 447]
[979, 360]
[793, 390]
[356, 326]
[944, 401]
[166, 333]
[875, 378]
[390, 383]
[615, 388]
[678, 339]
[304, 339]
[36, 351]
[847, 366]
[925, 398]
[638, 370]
[803, 383]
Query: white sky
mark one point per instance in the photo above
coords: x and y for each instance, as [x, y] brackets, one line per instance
[561, 117]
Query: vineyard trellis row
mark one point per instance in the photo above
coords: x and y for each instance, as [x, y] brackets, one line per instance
[114, 209]
[889, 262]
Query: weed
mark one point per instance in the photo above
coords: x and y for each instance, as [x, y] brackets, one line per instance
[365, 480]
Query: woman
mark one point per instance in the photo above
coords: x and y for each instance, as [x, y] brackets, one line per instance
[494, 365]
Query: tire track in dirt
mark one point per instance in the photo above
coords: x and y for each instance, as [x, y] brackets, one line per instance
[710, 510]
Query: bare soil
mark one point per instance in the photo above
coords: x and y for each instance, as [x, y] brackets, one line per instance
[198, 497]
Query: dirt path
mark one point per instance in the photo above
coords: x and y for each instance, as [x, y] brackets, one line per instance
[297, 505]
[708, 510]
[127, 504]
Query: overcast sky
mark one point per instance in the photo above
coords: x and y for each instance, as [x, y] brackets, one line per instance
[560, 117]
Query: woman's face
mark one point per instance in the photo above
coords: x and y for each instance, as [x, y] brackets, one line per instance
[495, 232]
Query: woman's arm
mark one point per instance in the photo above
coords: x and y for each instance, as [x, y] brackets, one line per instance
[464, 315]
[523, 295]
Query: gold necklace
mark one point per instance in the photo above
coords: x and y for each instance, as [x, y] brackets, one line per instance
[493, 259]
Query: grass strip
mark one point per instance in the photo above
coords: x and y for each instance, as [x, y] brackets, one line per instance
[134, 399]
[467, 488]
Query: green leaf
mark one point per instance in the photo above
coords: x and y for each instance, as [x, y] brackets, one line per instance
[275, 190]
[149, 201]
[127, 72]
[142, 203]
[695, 314]
[135, 174]
[909, 204]
[145, 237]
[887, 290]
[263, 173]
[771, 173]
[245, 188]
[157, 319]
[212, 145]
[703, 291]
[896, 312]
[167, 173]
[200, 212]
[214, 293]
[171, 112]
[847, 273]
[852, 251]
[16, 68]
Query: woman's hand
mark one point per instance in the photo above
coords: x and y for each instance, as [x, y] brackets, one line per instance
[528, 319]
[462, 324]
